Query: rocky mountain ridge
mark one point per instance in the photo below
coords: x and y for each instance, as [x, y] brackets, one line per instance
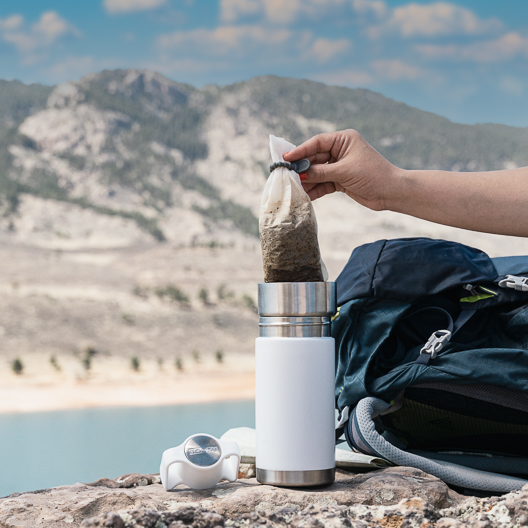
[172, 162]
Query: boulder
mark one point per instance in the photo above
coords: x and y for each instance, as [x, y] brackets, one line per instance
[391, 497]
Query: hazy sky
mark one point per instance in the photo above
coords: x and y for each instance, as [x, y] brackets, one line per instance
[464, 59]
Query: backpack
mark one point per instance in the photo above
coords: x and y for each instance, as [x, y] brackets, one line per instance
[432, 360]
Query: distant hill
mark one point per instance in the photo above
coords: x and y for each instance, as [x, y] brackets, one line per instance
[187, 164]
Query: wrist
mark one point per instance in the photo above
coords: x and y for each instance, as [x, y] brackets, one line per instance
[395, 193]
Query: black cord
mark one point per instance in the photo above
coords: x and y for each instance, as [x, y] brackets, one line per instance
[285, 164]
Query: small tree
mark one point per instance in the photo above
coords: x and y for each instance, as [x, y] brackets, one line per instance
[203, 295]
[134, 363]
[54, 363]
[178, 363]
[86, 360]
[219, 356]
[223, 293]
[17, 366]
[248, 302]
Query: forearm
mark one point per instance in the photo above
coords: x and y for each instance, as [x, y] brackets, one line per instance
[493, 202]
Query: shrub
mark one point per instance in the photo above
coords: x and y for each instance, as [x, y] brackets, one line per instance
[196, 356]
[17, 366]
[248, 302]
[134, 363]
[203, 295]
[140, 291]
[219, 356]
[86, 360]
[128, 319]
[55, 363]
[178, 363]
[173, 293]
[223, 293]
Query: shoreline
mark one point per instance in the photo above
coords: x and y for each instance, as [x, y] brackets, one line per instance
[112, 384]
[145, 393]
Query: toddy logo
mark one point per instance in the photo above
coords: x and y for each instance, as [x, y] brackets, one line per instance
[201, 450]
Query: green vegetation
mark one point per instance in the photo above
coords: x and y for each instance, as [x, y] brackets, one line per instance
[178, 363]
[407, 136]
[54, 363]
[140, 291]
[196, 356]
[134, 363]
[172, 293]
[128, 319]
[17, 366]
[248, 302]
[203, 295]
[158, 134]
[219, 355]
[87, 357]
[18, 100]
[223, 293]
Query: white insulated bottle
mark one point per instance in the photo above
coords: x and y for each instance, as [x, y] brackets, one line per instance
[295, 364]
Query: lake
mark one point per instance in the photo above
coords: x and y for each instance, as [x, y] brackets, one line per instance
[41, 450]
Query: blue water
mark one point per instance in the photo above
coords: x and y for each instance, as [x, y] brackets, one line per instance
[40, 450]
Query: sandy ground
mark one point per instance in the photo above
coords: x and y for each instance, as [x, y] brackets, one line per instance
[111, 382]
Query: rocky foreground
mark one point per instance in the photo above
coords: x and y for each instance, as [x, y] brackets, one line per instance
[393, 497]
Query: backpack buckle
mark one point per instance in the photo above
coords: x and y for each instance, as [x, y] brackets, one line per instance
[436, 342]
[514, 282]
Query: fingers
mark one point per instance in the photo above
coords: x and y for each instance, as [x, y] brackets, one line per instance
[320, 190]
[321, 143]
[325, 172]
[322, 157]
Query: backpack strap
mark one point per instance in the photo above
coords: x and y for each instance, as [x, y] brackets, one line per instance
[362, 434]
[438, 338]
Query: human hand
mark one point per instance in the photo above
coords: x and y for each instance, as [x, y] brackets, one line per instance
[343, 161]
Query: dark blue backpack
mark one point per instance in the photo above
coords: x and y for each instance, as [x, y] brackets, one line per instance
[432, 360]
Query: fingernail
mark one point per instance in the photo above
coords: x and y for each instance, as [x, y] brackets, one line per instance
[302, 176]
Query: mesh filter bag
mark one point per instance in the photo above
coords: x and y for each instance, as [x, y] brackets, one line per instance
[288, 228]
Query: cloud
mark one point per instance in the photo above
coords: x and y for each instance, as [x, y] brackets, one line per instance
[507, 47]
[43, 33]
[252, 42]
[11, 23]
[433, 20]
[228, 40]
[378, 7]
[396, 70]
[233, 10]
[378, 71]
[511, 85]
[73, 66]
[322, 50]
[289, 11]
[126, 6]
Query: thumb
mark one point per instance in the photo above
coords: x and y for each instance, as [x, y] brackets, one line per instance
[324, 172]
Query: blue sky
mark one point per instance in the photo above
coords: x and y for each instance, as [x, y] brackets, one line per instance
[464, 59]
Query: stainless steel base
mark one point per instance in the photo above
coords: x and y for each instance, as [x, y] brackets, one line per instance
[296, 479]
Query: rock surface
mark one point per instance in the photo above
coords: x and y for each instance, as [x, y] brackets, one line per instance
[393, 497]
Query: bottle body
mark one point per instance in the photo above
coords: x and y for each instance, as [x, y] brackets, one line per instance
[295, 410]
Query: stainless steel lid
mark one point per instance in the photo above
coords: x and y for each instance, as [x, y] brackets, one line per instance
[297, 299]
[202, 450]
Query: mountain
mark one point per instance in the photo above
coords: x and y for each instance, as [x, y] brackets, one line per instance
[129, 205]
[188, 165]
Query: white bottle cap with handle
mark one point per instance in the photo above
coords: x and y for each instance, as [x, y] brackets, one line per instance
[200, 462]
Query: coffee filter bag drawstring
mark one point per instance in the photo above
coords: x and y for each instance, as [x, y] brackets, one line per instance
[288, 227]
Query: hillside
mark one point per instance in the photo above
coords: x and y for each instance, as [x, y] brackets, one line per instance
[137, 146]
[130, 203]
